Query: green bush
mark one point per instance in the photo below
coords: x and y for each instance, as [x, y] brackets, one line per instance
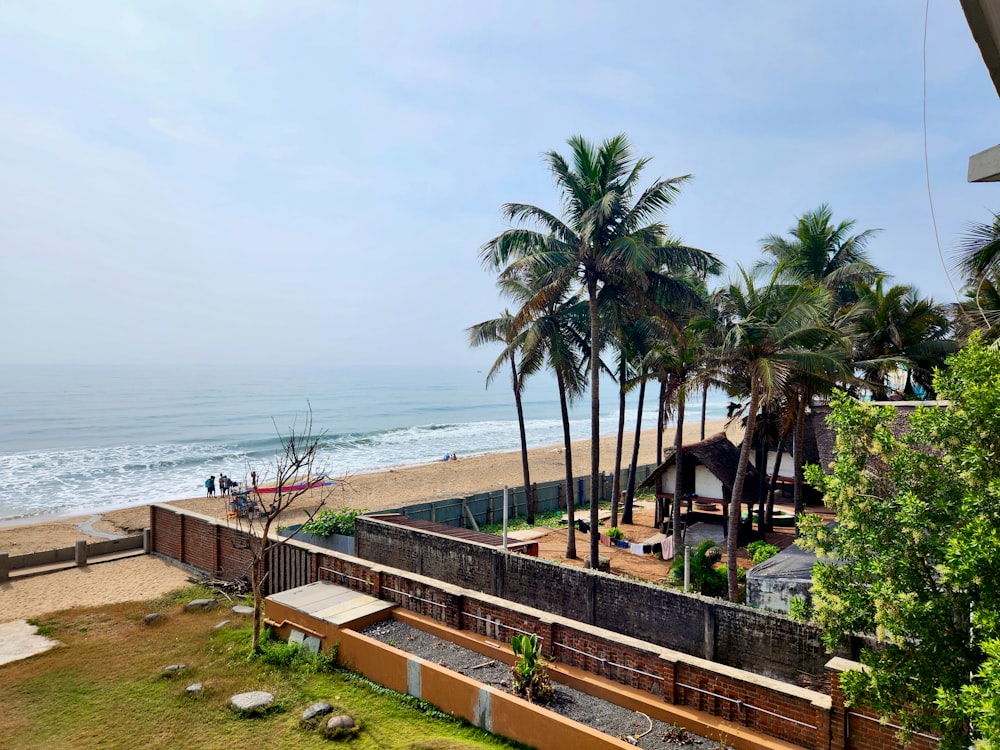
[530, 674]
[760, 551]
[329, 522]
[615, 534]
[294, 656]
[800, 609]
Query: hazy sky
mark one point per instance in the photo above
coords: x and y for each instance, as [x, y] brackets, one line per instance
[312, 181]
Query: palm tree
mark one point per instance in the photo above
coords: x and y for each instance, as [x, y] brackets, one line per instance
[504, 330]
[898, 329]
[824, 254]
[827, 255]
[553, 335]
[977, 258]
[773, 329]
[609, 230]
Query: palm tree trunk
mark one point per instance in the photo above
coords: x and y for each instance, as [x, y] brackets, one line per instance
[595, 418]
[659, 421]
[704, 408]
[524, 442]
[767, 517]
[630, 492]
[675, 512]
[736, 505]
[799, 455]
[568, 450]
[616, 482]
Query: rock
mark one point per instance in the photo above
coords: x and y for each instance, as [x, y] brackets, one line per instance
[200, 604]
[222, 624]
[314, 711]
[242, 609]
[340, 727]
[194, 689]
[152, 618]
[174, 669]
[252, 702]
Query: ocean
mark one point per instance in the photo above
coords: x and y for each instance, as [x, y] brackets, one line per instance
[83, 439]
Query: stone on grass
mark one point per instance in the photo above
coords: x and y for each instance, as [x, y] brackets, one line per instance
[222, 624]
[252, 702]
[194, 689]
[242, 609]
[174, 669]
[200, 604]
[341, 727]
[152, 618]
[311, 714]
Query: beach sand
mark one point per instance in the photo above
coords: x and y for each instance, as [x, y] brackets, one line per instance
[148, 577]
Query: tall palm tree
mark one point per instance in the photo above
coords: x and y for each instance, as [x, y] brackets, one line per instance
[609, 230]
[505, 330]
[816, 251]
[773, 329]
[554, 335]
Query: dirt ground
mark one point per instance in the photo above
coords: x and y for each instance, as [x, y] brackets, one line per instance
[552, 544]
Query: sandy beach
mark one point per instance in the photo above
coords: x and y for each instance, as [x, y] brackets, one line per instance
[147, 577]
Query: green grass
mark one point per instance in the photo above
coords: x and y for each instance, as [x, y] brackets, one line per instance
[107, 688]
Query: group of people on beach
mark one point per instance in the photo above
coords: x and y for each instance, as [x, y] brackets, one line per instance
[225, 485]
[450, 457]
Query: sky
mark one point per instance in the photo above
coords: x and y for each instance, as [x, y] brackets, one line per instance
[312, 180]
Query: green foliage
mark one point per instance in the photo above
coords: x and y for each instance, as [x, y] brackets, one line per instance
[916, 549]
[530, 674]
[294, 656]
[705, 577]
[800, 609]
[615, 534]
[329, 522]
[760, 551]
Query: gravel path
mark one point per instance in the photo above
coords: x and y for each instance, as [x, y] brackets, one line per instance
[586, 709]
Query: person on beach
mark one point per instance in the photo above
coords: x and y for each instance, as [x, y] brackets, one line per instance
[210, 486]
[223, 485]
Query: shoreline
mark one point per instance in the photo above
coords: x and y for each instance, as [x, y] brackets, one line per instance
[378, 490]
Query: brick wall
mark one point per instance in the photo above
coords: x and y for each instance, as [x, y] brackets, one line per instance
[804, 717]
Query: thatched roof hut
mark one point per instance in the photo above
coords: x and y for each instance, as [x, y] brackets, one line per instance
[719, 457]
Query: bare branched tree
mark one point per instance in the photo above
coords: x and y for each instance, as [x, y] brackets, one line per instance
[294, 473]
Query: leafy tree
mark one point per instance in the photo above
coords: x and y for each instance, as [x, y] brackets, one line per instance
[610, 231]
[914, 553]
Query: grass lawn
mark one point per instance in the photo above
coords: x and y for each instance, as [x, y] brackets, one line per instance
[105, 688]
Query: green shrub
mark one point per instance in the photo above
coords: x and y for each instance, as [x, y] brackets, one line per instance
[760, 551]
[800, 609]
[615, 534]
[530, 675]
[329, 522]
[294, 656]
[705, 577]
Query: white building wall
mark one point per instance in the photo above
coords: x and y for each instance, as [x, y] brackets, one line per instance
[706, 483]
